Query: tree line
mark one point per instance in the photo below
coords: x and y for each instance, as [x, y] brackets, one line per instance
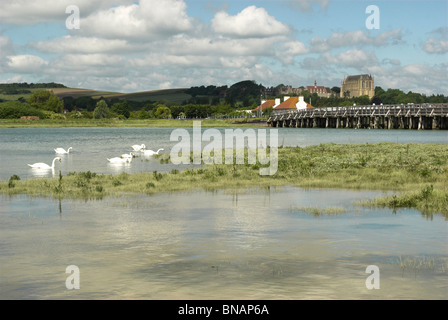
[230, 102]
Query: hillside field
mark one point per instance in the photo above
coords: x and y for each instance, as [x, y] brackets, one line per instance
[170, 95]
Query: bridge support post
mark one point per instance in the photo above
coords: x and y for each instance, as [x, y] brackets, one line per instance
[434, 123]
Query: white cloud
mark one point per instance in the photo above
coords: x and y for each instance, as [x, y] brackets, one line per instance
[6, 49]
[287, 51]
[197, 61]
[433, 45]
[219, 46]
[355, 38]
[25, 63]
[25, 12]
[417, 77]
[147, 19]
[76, 44]
[354, 58]
[250, 22]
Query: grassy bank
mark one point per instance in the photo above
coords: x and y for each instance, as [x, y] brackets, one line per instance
[115, 123]
[417, 173]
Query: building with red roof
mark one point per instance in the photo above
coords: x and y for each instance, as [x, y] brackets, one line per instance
[293, 103]
[320, 90]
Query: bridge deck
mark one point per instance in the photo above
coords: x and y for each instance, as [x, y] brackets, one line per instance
[411, 116]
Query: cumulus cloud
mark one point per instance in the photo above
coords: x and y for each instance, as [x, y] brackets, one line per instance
[250, 22]
[433, 45]
[25, 12]
[287, 51]
[416, 77]
[147, 19]
[25, 63]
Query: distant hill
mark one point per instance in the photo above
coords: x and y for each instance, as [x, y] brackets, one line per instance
[169, 95]
[246, 92]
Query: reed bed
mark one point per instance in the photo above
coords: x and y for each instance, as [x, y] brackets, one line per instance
[416, 173]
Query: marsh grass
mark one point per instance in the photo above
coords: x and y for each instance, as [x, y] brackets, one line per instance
[317, 211]
[421, 264]
[119, 123]
[417, 173]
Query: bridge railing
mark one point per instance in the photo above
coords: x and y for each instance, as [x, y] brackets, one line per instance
[425, 109]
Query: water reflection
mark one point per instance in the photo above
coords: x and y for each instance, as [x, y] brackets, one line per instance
[218, 245]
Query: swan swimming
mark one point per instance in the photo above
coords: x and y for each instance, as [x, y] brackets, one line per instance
[62, 151]
[40, 165]
[137, 147]
[151, 152]
[118, 160]
[128, 155]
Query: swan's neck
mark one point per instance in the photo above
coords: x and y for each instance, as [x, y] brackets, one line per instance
[52, 164]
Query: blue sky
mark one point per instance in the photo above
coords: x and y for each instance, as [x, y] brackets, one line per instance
[130, 46]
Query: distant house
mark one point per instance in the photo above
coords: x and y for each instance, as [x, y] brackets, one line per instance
[293, 103]
[321, 91]
[266, 104]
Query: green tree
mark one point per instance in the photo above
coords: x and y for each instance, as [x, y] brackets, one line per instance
[336, 90]
[176, 111]
[46, 100]
[101, 111]
[162, 112]
[121, 108]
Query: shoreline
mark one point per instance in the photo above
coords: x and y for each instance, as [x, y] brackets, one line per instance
[133, 123]
[417, 175]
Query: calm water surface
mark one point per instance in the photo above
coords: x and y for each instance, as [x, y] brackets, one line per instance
[252, 245]
[257, 244]
[92, 146]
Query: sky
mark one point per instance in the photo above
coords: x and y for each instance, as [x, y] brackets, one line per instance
[129, 46]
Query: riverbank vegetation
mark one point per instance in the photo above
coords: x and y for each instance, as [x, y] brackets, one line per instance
[416, 174]
[119, 123]
[77, 107]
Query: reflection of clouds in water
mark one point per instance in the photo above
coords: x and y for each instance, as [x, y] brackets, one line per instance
[204, 244]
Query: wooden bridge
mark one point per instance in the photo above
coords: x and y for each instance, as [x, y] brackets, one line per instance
[392, 116]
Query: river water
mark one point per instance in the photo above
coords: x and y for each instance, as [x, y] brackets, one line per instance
[252, 244]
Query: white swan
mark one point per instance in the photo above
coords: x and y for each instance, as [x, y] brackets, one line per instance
[137, 147]
[40, 165]
[62, 151]
[119, 160]
[151, 152]
[128, 155]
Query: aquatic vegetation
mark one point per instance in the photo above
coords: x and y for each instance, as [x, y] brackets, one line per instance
[417, 173]
[421, 264]
[316, 211]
